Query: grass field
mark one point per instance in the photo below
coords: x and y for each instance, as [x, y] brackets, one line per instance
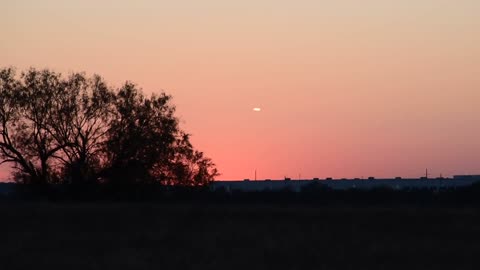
[189, 236]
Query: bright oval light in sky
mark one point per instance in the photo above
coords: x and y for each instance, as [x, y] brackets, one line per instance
[257, 109]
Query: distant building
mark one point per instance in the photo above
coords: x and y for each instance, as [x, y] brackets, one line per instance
[397, 183]
[460, 177]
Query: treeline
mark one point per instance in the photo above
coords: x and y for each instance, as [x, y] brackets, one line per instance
[77, 130]
[315, 194]
[321, 194]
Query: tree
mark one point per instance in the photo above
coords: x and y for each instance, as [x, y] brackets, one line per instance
[76, 129]
[186, 167]
[29, 107]
[88, 103]
[146, 144]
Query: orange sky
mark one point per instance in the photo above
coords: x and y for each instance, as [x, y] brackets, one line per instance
[347, 88]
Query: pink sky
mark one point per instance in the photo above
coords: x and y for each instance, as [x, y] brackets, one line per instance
[347, 88]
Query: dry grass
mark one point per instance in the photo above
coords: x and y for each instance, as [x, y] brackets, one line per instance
[154, 236]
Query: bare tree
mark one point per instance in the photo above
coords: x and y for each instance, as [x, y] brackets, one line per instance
[88, 103]
[28, 107]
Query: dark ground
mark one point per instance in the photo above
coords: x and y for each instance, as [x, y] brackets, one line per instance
[189, 236]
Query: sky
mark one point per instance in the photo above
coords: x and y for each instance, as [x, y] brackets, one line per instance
[346, 88]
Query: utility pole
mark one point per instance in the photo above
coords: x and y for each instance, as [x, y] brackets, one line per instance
[255, 174]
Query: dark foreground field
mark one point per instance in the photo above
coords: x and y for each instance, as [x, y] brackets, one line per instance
[154, 236]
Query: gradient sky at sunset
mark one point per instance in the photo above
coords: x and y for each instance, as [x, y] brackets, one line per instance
[347, 88]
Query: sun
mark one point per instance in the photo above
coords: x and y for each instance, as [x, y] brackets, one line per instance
[256, 109]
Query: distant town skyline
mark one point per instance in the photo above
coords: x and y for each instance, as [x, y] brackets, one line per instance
[339, 89]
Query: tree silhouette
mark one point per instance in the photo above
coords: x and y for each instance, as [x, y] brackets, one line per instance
[76, 129]
[89, 110]
[31, 106]
[146, 144]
